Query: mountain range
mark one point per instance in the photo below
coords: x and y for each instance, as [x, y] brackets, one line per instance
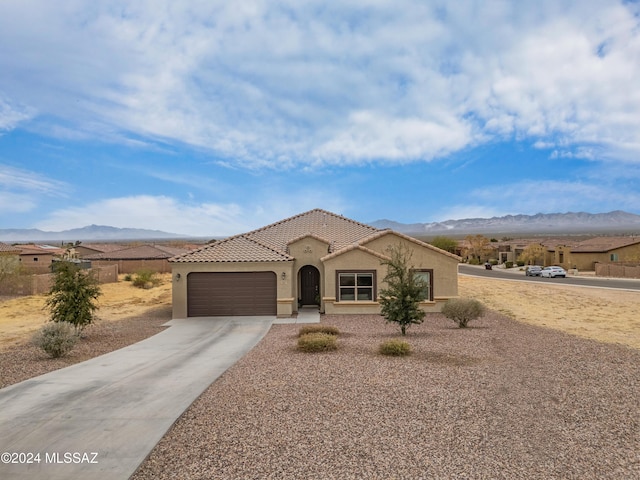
[541, 223]
[90, 232]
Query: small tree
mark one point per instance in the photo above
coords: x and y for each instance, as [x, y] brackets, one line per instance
[400, 300]
[532, 254]
[73, 295]
[445, 243]
[477, 247]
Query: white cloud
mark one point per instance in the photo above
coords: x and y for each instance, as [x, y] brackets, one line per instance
[150, 212]
[553, 196]
[28, 182]
[12, 115]
[16, 203]
[287, 83]
[185, 218]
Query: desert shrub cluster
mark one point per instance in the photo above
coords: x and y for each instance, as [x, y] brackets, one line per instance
[463, 310]
[56, 338]
[146, 279]
[318, 328]
[395, 348]
[317, 342]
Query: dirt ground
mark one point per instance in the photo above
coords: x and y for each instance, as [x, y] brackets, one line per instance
[605, 315]
[20, 317]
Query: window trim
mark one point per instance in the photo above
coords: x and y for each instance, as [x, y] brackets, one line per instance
[430, 287]
[373, 287]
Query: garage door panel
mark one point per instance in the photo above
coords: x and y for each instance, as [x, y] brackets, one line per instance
[231, 293]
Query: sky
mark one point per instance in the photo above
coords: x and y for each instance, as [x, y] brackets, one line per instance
[211, 118]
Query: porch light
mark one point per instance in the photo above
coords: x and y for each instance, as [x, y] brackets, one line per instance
[177, 277]
[284, 275]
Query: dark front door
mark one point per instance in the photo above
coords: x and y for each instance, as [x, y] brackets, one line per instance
[309, 285]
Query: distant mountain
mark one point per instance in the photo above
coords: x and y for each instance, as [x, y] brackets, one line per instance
[543, 223]
[90, 232]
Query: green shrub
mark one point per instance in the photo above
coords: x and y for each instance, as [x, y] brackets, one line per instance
[520, 263]
[508, 264]
[317, 328]
[145, 279]
[317, 342]
[56, 338]
[128, 277]
[396, 348]
[474, 261]
[462, 310]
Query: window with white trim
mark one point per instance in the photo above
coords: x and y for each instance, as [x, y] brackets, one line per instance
[356, 286]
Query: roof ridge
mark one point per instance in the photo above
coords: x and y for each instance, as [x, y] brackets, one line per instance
[382, 233]
[264, 245]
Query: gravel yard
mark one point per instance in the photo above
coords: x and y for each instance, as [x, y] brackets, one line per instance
[501, 399]
[24, 360]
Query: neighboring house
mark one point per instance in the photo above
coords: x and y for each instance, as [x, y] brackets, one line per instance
[83, 250]
[584, 255]
[133, 259]
[38, 258]
[314, 258]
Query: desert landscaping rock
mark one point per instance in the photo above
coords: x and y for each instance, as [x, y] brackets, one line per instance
[24, 360]
[500, 399]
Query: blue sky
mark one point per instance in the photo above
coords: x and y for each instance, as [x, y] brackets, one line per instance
[213, 118]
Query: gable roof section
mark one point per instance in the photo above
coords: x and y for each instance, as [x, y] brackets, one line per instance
[233, 249]
[338, 231]
[4, 248]
[428, 246]
[604, 244]
[269, 243]
[140, 252]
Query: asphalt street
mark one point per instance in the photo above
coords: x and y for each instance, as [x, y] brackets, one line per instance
[576, 280]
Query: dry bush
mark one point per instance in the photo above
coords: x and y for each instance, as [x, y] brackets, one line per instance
[317, 328]
[463, 310]
[395, 348]
[56, 338]
[317, 342]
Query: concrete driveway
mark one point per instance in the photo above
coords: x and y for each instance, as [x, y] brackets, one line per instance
[100, 419]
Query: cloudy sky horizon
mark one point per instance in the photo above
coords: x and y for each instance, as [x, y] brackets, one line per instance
[213, 118]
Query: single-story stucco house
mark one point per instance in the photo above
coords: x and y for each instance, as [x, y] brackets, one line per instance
[314, 258]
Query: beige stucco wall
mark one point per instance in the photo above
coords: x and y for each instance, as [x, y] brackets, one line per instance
[285, 299]
[445, 274]
[311, 251]
[307, 251]
[586, 261]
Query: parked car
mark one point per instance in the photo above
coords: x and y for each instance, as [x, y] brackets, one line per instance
[488, 266]
[553, 272]
[533, 271]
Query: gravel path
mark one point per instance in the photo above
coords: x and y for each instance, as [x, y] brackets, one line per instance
[500, 400]
[25, 361]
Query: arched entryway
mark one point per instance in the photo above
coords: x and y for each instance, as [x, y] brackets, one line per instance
[309, 285]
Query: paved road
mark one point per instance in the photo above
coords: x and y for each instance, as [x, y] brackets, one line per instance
[597, 282]
[100, 419]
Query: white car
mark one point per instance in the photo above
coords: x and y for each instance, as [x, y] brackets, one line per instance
[553, 272]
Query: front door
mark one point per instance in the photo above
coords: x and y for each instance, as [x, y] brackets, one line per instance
[309, 285]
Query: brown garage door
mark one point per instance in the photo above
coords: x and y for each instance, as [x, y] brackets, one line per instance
[231, 294]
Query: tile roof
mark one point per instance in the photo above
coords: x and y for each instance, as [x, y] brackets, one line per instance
[101, 247]
[604, 244]
[32, 249]
[269, 244]
[140, 252]
[4, 248]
